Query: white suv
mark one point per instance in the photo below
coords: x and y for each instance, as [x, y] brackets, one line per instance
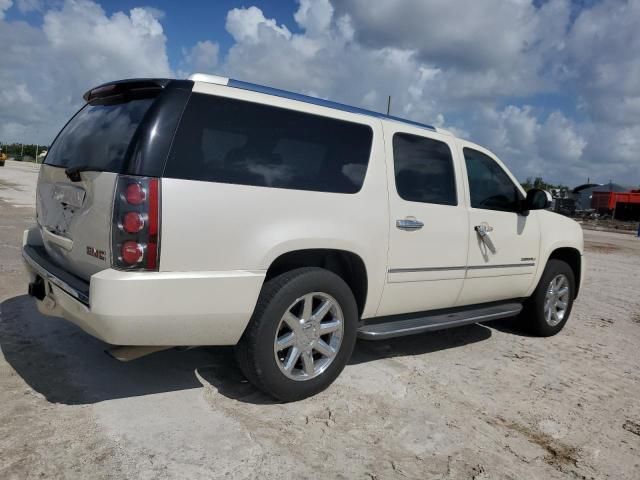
[211, 211]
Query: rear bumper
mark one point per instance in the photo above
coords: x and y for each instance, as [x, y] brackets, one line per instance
[149, 308]
[36, 259]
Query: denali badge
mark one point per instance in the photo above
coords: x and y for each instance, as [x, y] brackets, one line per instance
[99, 254]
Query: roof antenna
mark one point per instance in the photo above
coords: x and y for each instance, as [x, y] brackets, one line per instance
[388, 104]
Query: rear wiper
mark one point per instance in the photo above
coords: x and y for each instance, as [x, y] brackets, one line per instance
[74, 172]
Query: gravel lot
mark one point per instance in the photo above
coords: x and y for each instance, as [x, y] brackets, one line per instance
[481, 401]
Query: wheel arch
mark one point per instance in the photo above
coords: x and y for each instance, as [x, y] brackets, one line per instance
[573, 258]
[346, 264]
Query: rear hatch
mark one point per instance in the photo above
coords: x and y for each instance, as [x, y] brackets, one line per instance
[108, 136]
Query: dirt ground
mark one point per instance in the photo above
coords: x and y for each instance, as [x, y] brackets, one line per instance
[476, 402]
[610, 225]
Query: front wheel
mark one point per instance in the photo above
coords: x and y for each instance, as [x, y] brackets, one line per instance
[546, 312]
[301, 334]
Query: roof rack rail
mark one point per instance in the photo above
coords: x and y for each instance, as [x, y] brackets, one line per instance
[230, 82]
[205, 77]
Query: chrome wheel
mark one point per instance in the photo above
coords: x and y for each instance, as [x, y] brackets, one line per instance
[309, 336]
[556, 300]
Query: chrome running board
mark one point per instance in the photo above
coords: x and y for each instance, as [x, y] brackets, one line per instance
[401, 325]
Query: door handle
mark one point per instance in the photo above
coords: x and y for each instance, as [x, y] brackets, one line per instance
[409, 224]
[483, 231]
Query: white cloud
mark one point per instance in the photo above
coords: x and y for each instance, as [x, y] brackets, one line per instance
[30, 5]
[477, 68]
[4, 6]
[472, 66]
[603, 62]
[314, 16]
[202, 58]
[488, 47]
[46, 70]
[468, 33]
[559, 140]
[249, 25]
[328, 63]
[156, 13]
[550, 147]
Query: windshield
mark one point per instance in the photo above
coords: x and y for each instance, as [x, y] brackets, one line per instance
[98, 136]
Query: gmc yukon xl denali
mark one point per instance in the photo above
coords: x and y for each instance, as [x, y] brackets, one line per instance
[212, 211]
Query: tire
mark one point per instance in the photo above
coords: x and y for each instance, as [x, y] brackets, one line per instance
[272, 370]
[543, 322]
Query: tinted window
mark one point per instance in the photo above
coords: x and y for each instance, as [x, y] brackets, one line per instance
[424, 170]
[98, 136]
[489, 185]
[232, 141]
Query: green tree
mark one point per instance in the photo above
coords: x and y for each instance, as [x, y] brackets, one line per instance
[539, 182]
[527, 184]
[18, 150]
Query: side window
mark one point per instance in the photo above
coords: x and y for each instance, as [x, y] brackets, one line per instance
[490, 187]
[424, 170]
[233, 141]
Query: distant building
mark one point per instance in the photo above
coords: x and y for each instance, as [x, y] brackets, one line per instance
[583, 194]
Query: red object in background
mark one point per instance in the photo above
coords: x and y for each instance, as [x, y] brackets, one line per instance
[607, 200]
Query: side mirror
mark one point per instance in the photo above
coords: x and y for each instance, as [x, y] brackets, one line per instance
[537, 199]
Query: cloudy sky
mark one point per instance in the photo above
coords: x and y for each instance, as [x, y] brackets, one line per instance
[551, 86]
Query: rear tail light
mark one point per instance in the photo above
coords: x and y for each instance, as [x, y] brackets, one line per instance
[135, 194]
[135, 232]
[132, 252]
[132, 222]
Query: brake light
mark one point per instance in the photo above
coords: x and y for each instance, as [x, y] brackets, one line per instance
[135, 194]
[136, 221]
[133, 222]
[132, 252]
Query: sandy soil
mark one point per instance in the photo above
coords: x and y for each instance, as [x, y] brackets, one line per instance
[477, 402]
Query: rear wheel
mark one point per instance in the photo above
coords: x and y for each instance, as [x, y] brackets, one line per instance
[548, 309]
[301, 334]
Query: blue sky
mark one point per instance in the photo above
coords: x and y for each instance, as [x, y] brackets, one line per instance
[185, 23]
[551, 86]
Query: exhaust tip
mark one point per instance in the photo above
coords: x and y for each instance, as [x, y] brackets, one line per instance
[36, 289]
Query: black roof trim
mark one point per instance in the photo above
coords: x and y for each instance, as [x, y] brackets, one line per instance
[130, 85]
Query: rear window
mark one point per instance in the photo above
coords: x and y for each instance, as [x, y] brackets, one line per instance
[98, 136]
[232, 141]
[424, 170]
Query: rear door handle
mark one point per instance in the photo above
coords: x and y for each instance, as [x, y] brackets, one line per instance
[409, 224]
